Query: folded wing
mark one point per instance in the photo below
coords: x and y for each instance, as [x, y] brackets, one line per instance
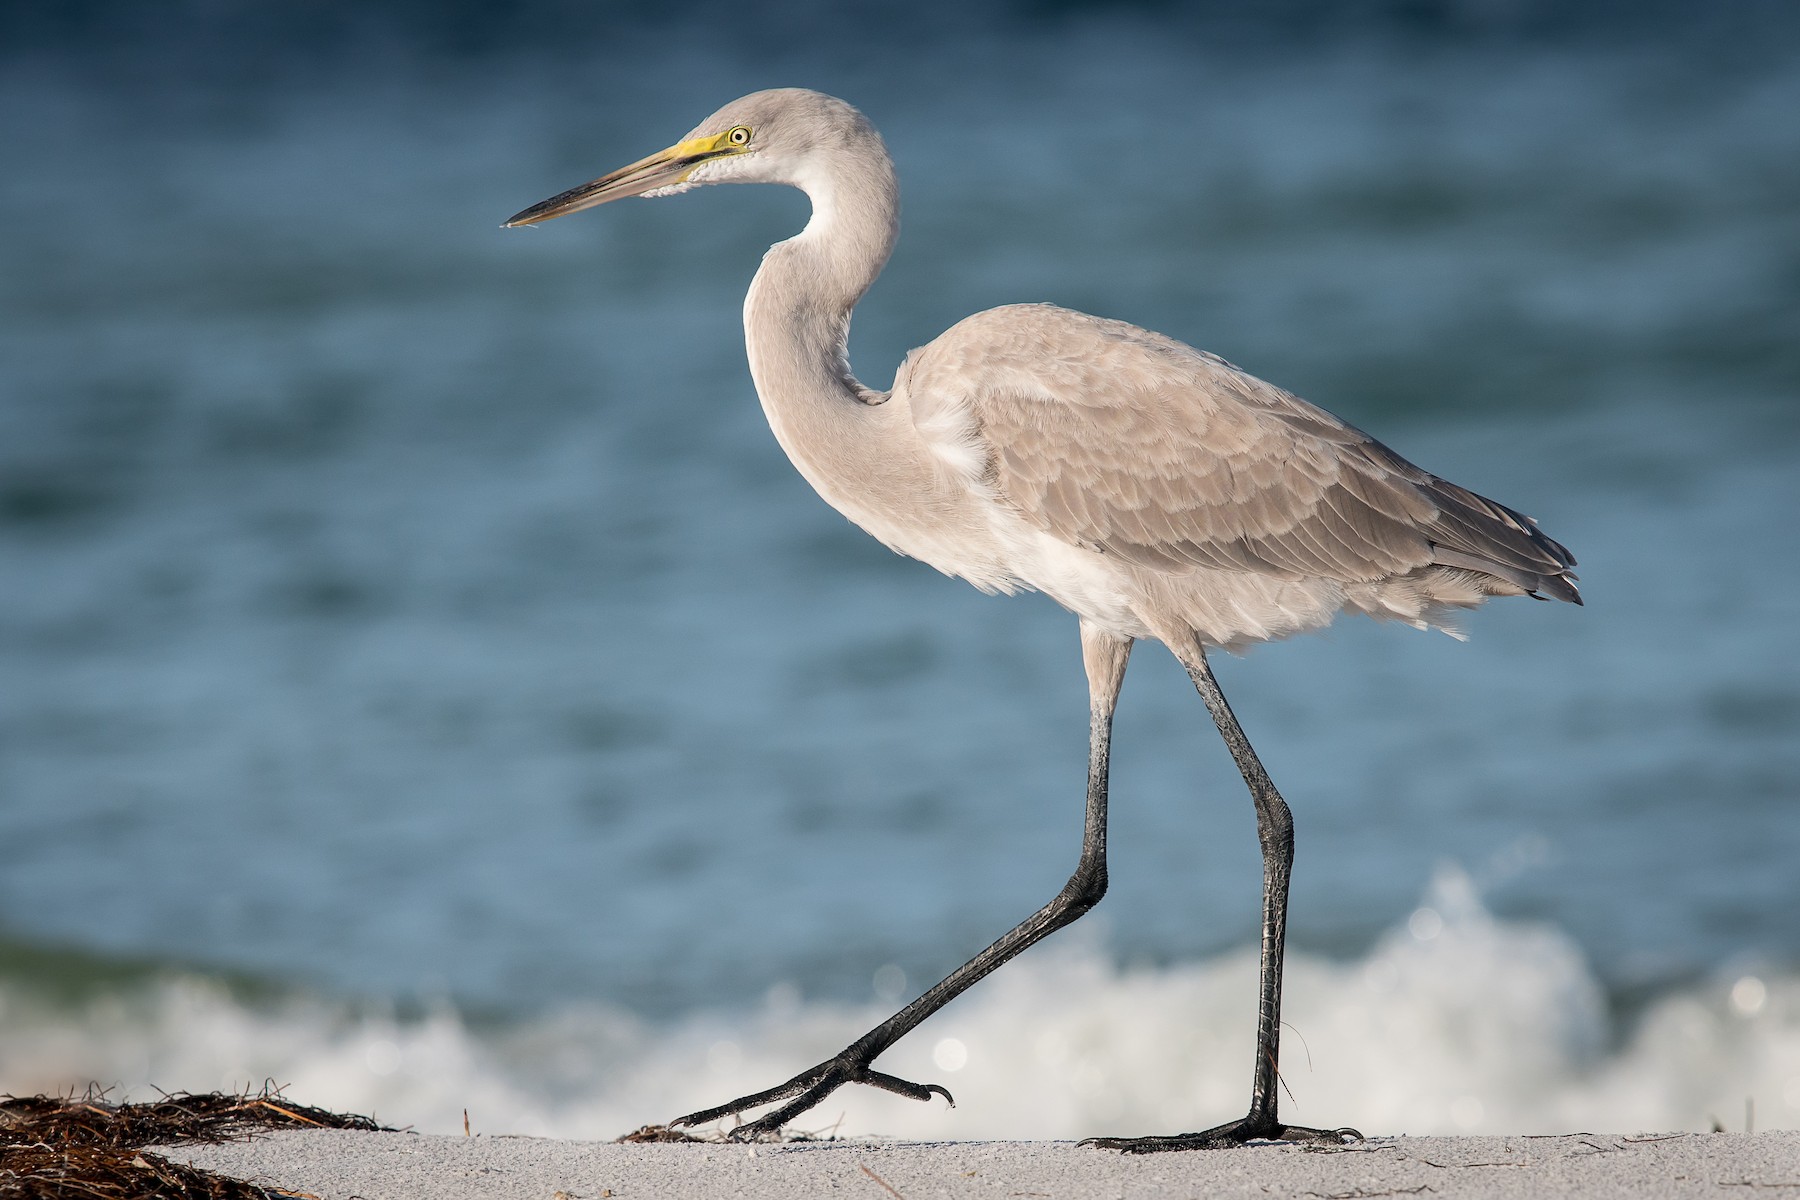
[1132, 444]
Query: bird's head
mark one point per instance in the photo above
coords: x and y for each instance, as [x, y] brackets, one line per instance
[777, 136]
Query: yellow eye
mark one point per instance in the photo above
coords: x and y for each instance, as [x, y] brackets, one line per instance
[739, 136]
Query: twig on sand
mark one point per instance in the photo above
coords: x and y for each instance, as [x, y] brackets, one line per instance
[885, 1185]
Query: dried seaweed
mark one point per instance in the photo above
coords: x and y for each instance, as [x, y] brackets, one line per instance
[657, 1133]
[83, 1146]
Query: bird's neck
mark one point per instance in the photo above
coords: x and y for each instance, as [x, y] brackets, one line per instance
[797, 322]
[857, 447]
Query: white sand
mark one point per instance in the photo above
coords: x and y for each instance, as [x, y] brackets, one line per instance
[337, 1165]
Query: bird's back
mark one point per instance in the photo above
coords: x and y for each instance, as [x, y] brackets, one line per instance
[1211, 502]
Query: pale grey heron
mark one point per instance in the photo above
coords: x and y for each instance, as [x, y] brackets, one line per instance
[1154, 490]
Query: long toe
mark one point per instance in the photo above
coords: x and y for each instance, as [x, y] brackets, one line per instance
[765, 1129]
[707, 1116]
[1228, 1136]
[1343, 1135]
[804, 1091]
[902, 1087]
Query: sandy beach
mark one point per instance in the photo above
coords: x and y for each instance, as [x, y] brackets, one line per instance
[336, 1165]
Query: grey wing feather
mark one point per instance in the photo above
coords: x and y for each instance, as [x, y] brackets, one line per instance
[1135, 445]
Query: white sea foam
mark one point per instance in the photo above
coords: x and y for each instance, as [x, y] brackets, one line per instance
[1454, 1022]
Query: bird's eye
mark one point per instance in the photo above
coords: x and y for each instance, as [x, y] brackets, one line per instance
[739, 136]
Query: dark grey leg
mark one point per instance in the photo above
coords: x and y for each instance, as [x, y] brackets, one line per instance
[1105, 657]
[1275, 829]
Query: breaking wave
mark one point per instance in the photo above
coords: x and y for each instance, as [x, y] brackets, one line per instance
[1454, 1022]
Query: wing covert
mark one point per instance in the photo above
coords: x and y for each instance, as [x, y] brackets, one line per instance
[1131, 444]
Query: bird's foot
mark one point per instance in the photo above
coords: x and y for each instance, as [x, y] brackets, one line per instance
[804, 1091]
[1224, 1137]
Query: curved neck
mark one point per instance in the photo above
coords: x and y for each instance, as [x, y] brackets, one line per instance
[797, 313]
[855, 446]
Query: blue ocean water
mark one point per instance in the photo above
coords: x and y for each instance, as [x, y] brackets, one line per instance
[424, 676]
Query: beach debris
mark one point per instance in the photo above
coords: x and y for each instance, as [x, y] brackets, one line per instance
[657, 1133]
[58, 1146]
[885, 1185]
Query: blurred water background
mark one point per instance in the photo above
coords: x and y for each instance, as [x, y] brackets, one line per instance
[424, 682]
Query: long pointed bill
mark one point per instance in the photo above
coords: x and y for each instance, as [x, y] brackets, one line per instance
[665, 168]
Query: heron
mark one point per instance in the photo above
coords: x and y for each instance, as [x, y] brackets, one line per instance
[1154, 490]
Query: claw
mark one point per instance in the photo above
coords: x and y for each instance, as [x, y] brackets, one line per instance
[901, 1087]
[755, 1131]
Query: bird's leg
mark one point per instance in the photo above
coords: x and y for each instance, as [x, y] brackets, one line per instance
[1105, 657]
[1275, 830]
